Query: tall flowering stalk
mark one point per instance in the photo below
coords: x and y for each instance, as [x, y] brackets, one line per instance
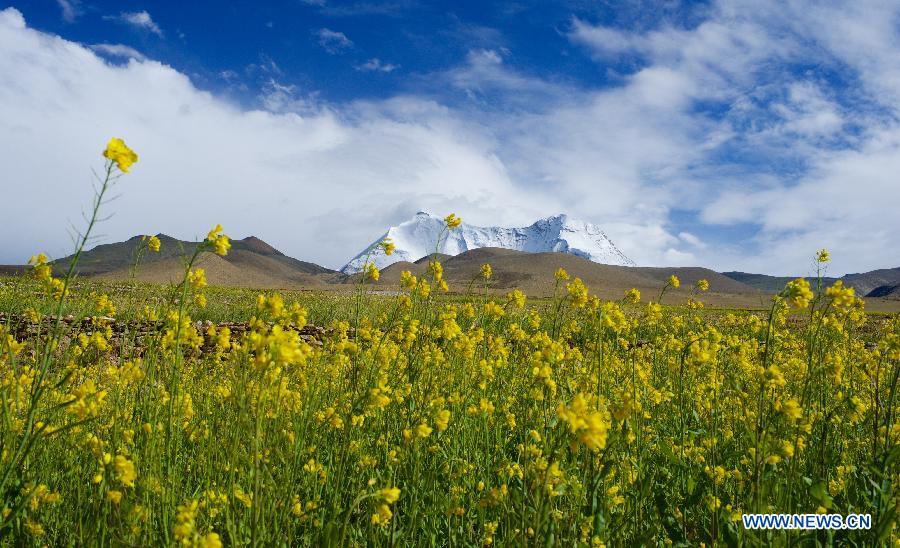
[119, 159]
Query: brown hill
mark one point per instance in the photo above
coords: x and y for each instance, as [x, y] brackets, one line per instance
[256, 273]
[690, 275]
[12, 269]
[534, 273]
[250, 262]
[427, 258]
[886, 292]
[867, 282]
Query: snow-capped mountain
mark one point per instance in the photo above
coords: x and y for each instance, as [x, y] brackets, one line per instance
[418, 237]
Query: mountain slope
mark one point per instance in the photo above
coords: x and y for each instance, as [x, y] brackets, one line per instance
[886, 292]
[121, 255]
[533, 273]
[250, 262]
[221, 272]
[425, 234]
[865, 283]
[12, 270]
[766, 283]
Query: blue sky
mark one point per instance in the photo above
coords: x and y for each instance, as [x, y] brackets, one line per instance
[730, 134]
[236, 48]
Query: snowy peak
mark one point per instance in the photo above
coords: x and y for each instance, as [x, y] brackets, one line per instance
[425, 234]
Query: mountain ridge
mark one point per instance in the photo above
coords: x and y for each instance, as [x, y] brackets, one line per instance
[105, 258]
[425, 234]
[875, 283]
[251, 262]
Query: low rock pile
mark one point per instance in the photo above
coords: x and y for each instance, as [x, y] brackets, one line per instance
[21, 327]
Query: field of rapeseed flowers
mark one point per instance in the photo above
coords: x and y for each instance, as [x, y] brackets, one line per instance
[420, 419]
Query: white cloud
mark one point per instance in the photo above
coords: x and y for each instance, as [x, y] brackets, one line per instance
[692, 239]
[138, 19]
[316, 186]
[847, 203]
[118, 50]
[321, 184]
[808, 112]
[485, 75]
[375, 65]
[71, 9]
[605, 41]
[778, 145]
[333, 41]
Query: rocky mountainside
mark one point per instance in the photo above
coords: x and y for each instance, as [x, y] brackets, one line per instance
[876, 283]
[886, 292]
[424, 234]
[250, 262]
[867, 282]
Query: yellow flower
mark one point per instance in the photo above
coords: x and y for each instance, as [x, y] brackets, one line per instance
[561, 274]
[486, 271]
[40, 268]
[184, 522]
[787, 449]
[442, 421]
[798, 293]
[389, 495]
[452, 221]
[407, 280]
[437, 270]
[119, 153]
[490, 528]
[87, 400]
[154, 244]
[790, 408]
[423, 430]
[823, 256]
[493, 310]
[841, 296]
[703, 285]
[34, 528]
[211, 540]
[104, 306]
[371, 272]
[516, 298]
[221, 243]
[578, 292]
[388, 246]
[197, 278]
[114, 496]
[674, 281]
[632, 296]
[125, 471]
[382, 515]
[590, 425]
[423, 289]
